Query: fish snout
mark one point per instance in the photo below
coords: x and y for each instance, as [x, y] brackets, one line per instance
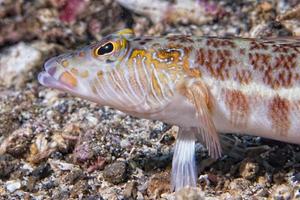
[50, 66]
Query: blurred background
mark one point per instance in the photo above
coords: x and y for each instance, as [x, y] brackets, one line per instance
[53, 145]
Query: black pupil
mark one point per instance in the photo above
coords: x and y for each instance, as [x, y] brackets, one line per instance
[105, 49]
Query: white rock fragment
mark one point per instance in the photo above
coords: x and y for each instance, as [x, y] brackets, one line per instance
[48, 16]
[93, 121]
[125, 143]
[190, 193]
[63, 166]
[26, 167]
[41, 143]
[13, 185]
[16, 63]
[49, 96]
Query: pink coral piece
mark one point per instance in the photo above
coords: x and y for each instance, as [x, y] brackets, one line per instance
[71, 10]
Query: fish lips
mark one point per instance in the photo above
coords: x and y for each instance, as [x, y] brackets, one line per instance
[46, 77]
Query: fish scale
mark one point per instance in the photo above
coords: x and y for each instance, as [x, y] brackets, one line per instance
[205, 85]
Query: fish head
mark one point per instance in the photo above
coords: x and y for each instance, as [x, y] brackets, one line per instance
[83, 72]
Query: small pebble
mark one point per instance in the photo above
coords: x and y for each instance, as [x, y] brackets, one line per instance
[189, 193]
[239, 184]
[7, 165]
[281, 192]
[248, 169]
[297, 192]
[116, 172]
[74, 176]
[125, 143]
[20, 141]
[130, 190]
[13, 185]
[262, 181]
[31, 183]
[63, 166]
[93, 121]
[159, 184]
[262, 193]
[42, 171]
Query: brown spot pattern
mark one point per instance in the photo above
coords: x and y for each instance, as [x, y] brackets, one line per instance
[259, 61]
[216, 61]
[279, 112]
[238, 105]
[242, 52]
[243, 76]
[273, 63]
[278, 71]
[256, 45]
[217, 43]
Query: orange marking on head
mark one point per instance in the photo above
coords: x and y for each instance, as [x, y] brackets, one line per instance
[81, 54]
[141, 74]
[169, 55]
[279, 110]
[84, 74]
[156, 85]
[68, 79]
[164, 81]
[74, 71]
[100, 74]
[65, 63]
[133, 81]
[137, 52]
[171, 58]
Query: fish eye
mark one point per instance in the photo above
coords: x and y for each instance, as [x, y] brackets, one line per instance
[104, 49]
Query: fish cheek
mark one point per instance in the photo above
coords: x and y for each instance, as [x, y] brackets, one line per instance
[68, 79]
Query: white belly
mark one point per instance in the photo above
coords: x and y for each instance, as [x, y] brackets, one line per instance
[182, 113]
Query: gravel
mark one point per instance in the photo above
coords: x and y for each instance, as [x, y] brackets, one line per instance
[56, 146]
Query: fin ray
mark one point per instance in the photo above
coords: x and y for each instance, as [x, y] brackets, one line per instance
[184, 171]
[198, 94]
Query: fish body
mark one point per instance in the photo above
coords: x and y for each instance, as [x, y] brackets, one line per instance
[205, 85]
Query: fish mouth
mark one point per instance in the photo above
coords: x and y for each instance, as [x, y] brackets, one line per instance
[51, 65]
[47, 80]
[47, 77]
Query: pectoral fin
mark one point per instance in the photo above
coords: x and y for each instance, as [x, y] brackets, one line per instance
[198, 94]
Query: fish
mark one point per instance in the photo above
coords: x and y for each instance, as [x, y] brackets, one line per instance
[204, 85]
